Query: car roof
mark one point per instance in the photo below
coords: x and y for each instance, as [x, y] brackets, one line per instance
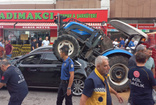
[39, 48]
[126, 28]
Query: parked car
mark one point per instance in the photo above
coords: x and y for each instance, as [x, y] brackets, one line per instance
[42, 70]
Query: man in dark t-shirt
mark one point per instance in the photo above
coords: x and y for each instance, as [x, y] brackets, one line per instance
[142, 82]
[33, 44]
[40, 42]
[15, 82]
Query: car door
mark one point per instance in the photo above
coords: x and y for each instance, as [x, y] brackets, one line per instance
[29, 65]
[50, 70]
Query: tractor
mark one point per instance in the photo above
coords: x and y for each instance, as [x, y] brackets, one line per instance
[87, 42]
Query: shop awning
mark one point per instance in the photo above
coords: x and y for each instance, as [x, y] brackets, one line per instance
[47, 25]
[7, 25]
[36, 26]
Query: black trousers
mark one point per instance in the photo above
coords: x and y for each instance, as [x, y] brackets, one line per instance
[62, 93]
[17, 99]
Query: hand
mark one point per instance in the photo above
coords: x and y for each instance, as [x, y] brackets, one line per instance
[119, 98]
[68, 92]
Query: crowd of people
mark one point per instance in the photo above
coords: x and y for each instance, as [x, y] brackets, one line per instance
[96, 89]
[123, 42]
[35, 44]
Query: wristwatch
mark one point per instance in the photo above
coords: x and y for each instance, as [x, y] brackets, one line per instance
[68, 87]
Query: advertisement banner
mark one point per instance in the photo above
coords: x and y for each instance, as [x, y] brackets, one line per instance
[48, 15]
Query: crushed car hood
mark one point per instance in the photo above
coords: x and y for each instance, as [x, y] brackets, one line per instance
[126, 28]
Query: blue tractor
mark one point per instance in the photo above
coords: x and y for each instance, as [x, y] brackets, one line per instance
[87, 43]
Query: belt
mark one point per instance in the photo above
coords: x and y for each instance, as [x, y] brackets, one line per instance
[64, 81]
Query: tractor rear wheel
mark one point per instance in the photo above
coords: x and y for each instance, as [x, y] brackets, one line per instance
[66, 40]
[118, 72]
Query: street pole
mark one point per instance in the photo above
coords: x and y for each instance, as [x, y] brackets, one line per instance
[58, 25]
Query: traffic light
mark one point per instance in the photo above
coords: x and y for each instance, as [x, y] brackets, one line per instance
[56, 19]
[61, 20]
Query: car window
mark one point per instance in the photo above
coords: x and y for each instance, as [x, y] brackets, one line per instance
[50, 58]
[32, 59]
[43, 50]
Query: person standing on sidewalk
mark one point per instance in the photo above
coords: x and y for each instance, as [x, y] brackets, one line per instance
[45, 42]
[8, 48]
[2, 52]
[150, 61]
[67, 77]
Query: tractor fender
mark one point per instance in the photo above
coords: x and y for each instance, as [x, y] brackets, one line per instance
[117, 51]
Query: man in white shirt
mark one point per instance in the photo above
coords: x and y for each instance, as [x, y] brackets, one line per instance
[45, 42]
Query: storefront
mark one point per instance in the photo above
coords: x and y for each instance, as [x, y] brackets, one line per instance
[20, 26]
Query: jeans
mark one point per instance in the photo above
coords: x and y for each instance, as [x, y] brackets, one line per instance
[8, 56]
[62, 93]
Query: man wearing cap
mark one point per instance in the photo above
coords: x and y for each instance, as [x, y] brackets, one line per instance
[67, 77]
[15, 82]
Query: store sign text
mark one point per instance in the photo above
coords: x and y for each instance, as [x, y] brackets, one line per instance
[27, 16]
[35, 27]
[48, 15]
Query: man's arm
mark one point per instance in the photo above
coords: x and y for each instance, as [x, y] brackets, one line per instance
[11, 49]
[83, 99]
[116, 94]
[1, 85]
[153, 71]
[70, 82]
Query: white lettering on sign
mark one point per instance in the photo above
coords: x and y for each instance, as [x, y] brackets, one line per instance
[137, 82]
[36, 27]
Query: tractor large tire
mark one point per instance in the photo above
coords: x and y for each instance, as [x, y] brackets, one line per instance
[66, 40]
[118, 73]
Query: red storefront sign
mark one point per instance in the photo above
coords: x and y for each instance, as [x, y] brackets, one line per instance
[48, 15]
[147, 26]
[111, 27]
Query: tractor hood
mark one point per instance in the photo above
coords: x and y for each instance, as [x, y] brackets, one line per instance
[127, 29]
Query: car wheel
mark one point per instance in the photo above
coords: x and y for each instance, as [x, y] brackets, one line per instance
[78, 86]
[118, 73]
[66, 40]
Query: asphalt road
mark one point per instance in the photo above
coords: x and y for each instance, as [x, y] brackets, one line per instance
[48, 97]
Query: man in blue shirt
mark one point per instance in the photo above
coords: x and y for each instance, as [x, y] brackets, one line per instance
[67, 77]
[122, 43]
[142, 82]
[15, 82]
[131, 43]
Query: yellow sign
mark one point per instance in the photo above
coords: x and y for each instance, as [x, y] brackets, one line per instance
[24, 37]
[52, 39]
